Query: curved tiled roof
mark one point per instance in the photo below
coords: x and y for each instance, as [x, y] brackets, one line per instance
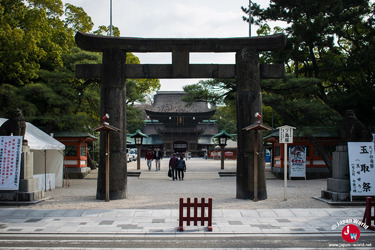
[171, 102]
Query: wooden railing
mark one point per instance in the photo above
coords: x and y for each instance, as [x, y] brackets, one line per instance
[367, 217]
[199, 211]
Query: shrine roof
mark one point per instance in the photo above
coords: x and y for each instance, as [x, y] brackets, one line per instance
[171, 102]
[320, 132]
[74, 134]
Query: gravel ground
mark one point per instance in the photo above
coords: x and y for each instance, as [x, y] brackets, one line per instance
[154, 190]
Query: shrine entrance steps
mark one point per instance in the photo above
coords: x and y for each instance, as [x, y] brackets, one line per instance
[188, 175]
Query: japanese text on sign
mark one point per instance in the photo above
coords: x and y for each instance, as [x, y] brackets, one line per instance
[361, 168]
[297, 158]
[10, 162]
[286, 134]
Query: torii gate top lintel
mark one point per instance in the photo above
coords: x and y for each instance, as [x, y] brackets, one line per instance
[180, 49]
[97, 43]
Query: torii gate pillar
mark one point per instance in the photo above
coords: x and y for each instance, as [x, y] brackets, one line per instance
[249, 102]
[113, 102]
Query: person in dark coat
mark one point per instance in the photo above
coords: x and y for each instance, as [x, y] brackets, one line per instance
[158, 155]
[172, 166]
[181, 168]
[149, 157]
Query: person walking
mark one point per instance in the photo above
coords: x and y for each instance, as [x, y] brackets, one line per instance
[181, 168]
[172, 166]
[158, 155]
[149, 156]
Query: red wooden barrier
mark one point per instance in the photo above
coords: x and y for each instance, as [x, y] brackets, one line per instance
[367, 218]
[196, 216]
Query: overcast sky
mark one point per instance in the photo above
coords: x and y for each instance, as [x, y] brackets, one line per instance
[173, 19]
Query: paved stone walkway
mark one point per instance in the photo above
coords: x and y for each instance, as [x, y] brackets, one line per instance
[165, 221]
[151, 209]
[155, 190]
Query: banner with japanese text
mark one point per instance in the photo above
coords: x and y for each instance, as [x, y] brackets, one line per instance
[10, 162]
[297, 161]
[361, 168]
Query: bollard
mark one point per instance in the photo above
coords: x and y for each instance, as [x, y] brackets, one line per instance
[196, 216]
[367, 218]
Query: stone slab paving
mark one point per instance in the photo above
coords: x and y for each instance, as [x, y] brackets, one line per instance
[151, 208]
[165, 221]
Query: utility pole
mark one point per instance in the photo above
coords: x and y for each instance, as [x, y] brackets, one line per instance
[250, 18]
[110, 19]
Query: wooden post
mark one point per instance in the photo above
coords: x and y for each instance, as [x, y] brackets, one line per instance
[107, 129]
[285, 136]
[367, 216]
[256, 127]
[107, 167]
[255, 165]
[285, 170]
[222, 157]
[139, 157]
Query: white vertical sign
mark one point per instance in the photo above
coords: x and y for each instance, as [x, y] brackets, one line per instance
[285, 136]
[361, 168]
[10, 162]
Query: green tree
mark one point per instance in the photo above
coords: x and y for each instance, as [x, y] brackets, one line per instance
[105, 31]
[332, 41]
[220, 93]
[37, 66]
[329, 51]
[19, 50]
[77, 19]
[226, 119]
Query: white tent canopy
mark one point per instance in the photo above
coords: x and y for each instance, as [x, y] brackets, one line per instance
[37, 139]
[48, 156]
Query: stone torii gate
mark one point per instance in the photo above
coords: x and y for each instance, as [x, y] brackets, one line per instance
[113, 71]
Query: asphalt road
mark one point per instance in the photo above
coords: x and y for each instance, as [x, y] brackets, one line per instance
[297, 241]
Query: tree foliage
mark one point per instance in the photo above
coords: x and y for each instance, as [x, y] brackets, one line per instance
[329, 63]
[73, 14]
[37, 66]
[332, 41]
[220, 93]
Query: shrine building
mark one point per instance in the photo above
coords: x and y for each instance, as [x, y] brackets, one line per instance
[76, 158]
[177, 126]
[315, 166]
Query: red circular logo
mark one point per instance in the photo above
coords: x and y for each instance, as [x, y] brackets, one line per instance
[350, 233]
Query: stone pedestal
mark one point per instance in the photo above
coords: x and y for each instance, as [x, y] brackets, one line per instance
[338, 187]
[28, 187]
[77, 173]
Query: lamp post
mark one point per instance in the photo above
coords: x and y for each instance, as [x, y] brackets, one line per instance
[223, 136]
[138, 140]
